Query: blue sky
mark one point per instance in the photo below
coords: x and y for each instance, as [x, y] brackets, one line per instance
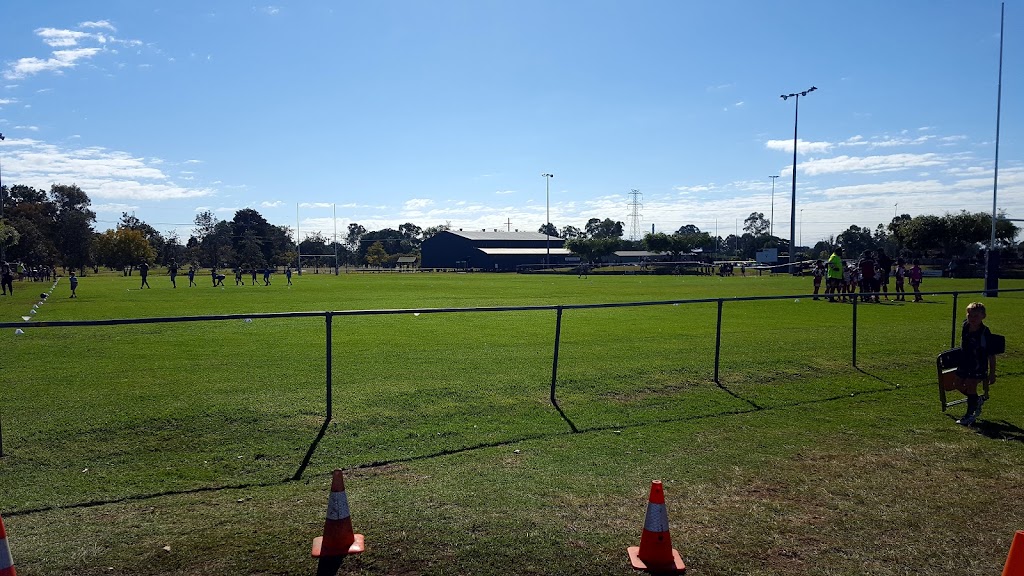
[449, 111]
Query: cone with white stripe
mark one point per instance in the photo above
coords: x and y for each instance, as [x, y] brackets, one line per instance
[655, 553]
[6, 562]
[338, 538]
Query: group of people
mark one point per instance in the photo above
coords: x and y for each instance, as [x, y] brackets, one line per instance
[870, 275]
[218, 278]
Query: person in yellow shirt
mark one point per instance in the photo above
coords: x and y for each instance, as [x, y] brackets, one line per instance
[834, 270]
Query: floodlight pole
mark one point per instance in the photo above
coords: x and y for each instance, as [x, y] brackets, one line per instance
[771, 223]
[992, 256]
[792, 208]
[547, 201]
[3, 246]
[801, 226]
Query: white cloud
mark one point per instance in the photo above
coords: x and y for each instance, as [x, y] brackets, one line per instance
[803, 146]
[29, 128]
[98, 24]
[316, 205]
[269, 10]
[504, 192]
[417, 203]
[114, 207]
[61, 59]
[58, 38]
[101, 173]
[273, 204]
[869, 164]
[4, 101]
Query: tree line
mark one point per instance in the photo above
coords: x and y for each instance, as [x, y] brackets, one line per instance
[57, 227]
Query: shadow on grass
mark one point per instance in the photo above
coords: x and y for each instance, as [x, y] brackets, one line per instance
[564, 416]
[311, 451]
[879, 378]
[755, 405]
[1002, 430]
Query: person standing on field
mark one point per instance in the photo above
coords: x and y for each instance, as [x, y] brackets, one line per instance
[74, 284]
[818, 272]
[916, 275]
[191, 276]
[977, 362]
[834, 274]
[868, 280]
[884, 271]
[144, 272]
[7, 279]
[172, 269]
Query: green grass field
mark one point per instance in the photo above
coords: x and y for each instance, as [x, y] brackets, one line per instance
[200, 447]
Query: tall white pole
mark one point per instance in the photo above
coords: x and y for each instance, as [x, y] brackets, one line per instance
[547, 201]
[335, 239]
[298, 241]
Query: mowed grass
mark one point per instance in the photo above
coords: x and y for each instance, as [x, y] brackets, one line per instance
[209, 437]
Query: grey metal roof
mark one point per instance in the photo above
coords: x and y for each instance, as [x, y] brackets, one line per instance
[500, 235]
[636, 253]
[524, 251]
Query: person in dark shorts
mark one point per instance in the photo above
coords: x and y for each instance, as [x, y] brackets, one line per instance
[266, 276]
[218, 279]
[191, 276]
[288, 274]
[901, 275]
[884, 263]
[818, 272]
[74, 285]
[834, 275]
[868, 280]
[977, 363]
[7, 279]
[172, 269]
[238, 276]
[144, 272]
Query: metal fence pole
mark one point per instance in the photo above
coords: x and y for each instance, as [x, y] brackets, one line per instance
[854, 331]
[952, 333]
[554, 363]
[328, 316]
[718, 340]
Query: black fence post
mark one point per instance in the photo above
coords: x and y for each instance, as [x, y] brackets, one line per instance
[554, 363]
[854, 331]
[328, 316]
[952, 332]
[718, 340]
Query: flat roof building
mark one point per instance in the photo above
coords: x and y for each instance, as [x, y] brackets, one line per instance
[492, 250]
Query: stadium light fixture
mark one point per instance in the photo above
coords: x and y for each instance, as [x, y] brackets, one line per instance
[547, 202]
[792, 209]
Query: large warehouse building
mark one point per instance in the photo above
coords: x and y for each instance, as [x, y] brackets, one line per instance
[493, 250]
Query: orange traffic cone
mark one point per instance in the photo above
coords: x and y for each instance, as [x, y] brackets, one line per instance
[1015, 559]
[655, 553]
[6, 562]
[338, 539]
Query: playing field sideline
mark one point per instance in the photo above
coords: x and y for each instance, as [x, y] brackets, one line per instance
[121, 440]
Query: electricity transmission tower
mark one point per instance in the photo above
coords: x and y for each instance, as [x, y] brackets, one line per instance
[634, 214]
